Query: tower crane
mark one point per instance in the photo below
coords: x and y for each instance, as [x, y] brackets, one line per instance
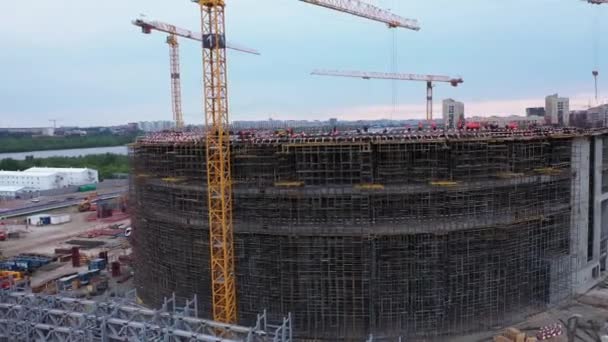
[147, 26]
[217, 145]
[429, 79]
[54, 121]
[595, 72]
[365, 10]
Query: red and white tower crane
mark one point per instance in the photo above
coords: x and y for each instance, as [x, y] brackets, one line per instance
[147, 26]
[429, 79]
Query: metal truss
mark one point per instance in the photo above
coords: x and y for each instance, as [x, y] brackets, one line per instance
[371, 338]
[30, 317]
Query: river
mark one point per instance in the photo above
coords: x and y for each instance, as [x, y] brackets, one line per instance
[65, 153]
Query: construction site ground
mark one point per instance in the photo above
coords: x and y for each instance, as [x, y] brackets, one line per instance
[591, 306]
[45, 239]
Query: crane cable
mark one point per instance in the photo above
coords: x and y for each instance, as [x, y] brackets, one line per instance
[394, 70]
[393, 62]
[595, 46]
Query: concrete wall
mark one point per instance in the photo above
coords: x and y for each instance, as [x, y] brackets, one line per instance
[580, 208]
[587, 215]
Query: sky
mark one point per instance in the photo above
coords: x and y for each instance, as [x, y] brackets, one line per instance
[84, 63]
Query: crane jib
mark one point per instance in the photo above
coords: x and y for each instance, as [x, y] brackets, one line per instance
[210, 41]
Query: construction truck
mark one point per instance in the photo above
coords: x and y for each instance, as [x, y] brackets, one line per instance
[88, 204]
[9, 278]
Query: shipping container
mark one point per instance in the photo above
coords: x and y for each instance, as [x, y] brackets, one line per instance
[39, 220]
[97, 264]
[60, 219]
[88, 187]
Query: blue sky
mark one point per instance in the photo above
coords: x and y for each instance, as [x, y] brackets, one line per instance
[84, 63]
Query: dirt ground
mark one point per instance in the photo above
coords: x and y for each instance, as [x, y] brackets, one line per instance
[593, 322]
[592, 307]
[45, 239]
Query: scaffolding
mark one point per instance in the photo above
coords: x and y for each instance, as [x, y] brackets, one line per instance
[405, 234]
[28, 317]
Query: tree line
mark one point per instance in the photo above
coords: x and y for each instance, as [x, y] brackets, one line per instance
[10, 144]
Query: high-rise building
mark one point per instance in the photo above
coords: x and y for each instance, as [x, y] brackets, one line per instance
[155, 126]
[599, 115]
[557, 110]
[453, 113]
[535, 111]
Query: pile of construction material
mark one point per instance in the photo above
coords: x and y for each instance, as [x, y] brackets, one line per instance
[25, 262]
[514, 335]
[550, 331]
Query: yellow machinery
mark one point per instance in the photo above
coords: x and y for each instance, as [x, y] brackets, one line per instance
[219, 182]
[217, 139]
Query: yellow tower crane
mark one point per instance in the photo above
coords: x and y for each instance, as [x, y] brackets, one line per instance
[147, 26]
[217, 141]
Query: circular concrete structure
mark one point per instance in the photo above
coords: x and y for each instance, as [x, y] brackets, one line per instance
[391, 235]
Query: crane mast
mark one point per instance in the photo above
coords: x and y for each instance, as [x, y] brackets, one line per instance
[219, 182]
[176, 88]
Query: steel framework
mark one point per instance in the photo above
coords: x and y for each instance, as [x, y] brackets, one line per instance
[176, 88]
[219, 182]
[409, 233]
[29, 317]
[148, 25]
[364, 10]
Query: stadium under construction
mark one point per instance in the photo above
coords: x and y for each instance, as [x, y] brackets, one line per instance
[419, 233]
